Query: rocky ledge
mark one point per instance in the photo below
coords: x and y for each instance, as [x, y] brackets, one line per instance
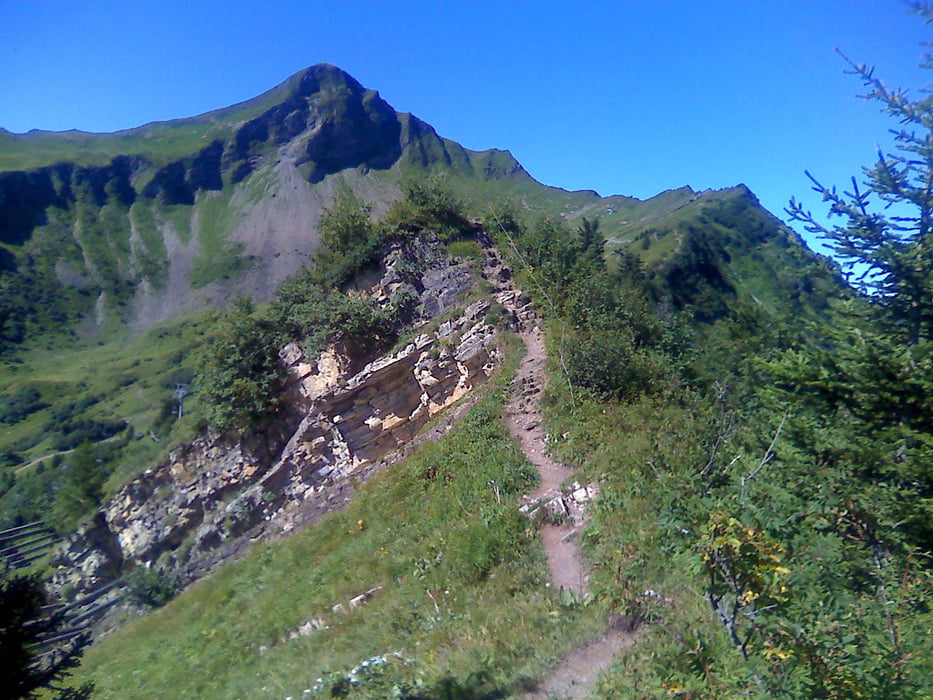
[215, 490]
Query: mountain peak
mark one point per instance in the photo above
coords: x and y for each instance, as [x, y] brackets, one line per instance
[310, 80]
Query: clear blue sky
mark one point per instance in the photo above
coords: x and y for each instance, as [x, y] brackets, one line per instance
[621, 97]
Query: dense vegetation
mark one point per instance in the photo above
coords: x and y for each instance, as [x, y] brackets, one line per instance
[25, 623]
[107, 408]
[775, 537]
[766, 482]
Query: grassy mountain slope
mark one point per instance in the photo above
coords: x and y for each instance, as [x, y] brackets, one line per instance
[109, 235]
[463, 603]
[112, 245]
[727, 239]
[117, 395]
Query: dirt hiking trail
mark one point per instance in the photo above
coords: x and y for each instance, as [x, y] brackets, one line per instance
[523, 419]
[575, 676]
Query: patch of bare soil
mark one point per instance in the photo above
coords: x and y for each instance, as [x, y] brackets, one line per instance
[575, 676]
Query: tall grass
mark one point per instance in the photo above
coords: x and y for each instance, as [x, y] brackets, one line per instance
[465, 600]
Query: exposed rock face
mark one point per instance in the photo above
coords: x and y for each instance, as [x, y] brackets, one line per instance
[92, 554]
[333, 122]
[362, 419]
[155, 511]
[214, 489]
[179, 182]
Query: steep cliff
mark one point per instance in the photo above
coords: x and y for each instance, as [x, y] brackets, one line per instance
[217, 492]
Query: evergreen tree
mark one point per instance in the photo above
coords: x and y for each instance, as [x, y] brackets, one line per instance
[22, 624]
[882, 364]
[240, 379]
[886, 236]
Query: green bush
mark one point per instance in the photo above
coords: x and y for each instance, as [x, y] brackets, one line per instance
[23, 402]
[240, 379]
[428, 205]
[80, 487]
[148, 585]
[349, 240]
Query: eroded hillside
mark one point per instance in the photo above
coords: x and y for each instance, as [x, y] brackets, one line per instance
[185, 214]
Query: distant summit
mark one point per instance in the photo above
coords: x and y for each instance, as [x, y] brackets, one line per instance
[146, 224]
[172, 217]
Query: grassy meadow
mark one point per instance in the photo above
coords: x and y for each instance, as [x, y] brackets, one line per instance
[116, 395]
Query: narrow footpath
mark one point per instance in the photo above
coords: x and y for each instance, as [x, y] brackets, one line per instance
[523, 418]
[575, 676]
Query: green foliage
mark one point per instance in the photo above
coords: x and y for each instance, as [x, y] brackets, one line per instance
[304, 308]
[23, 402]
[30, 496]
[80, 489]
[240, 375]
[592, 241]
[101, 232]
[891, 253]
[757, 560]
[693, 278]
[33, 303]
[75, 432]
[21, 600]
[498, 315]
[240, 380]
[612, 340]
[227, 265]
[113, 395]
[149, 585]
[795, 551]
[218, 259]
[348, 240]
[466, 249]
[781, 476]
[366, 327]
[428, 204]
[23, 622]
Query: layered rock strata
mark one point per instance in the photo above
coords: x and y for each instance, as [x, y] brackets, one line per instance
[363, 418]
[212, 490]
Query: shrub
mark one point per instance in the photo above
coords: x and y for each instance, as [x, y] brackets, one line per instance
[239, 379]
[22, 403]
[349, 240]
[150, 586]
[429, 205]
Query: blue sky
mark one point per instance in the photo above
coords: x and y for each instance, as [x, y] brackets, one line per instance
[621, 97]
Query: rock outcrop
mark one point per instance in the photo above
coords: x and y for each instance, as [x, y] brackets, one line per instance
[215, 489]
[363, 418]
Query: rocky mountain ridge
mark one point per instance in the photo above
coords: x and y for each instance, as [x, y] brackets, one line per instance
[124, 231]
[143, 236]
[210, 498]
